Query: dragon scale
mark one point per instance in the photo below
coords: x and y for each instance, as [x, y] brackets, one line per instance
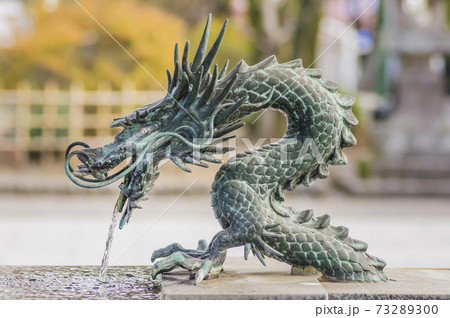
[319, 121]
[248, 190]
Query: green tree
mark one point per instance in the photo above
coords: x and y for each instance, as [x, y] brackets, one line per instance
[292, 29]
[447, 7]
[194, 11]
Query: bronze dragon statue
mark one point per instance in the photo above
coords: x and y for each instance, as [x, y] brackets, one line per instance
[187, 125]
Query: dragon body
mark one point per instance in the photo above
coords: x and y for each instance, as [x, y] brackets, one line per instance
[248, 190]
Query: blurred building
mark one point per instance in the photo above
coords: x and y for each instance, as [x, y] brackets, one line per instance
[407, 67]
[346, 38]
[414, 138]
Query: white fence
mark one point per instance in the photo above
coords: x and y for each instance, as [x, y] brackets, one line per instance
[38, 125]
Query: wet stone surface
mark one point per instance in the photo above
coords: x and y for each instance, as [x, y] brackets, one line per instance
[77, 282]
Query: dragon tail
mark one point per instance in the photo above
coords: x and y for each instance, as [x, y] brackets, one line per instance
[311, 241]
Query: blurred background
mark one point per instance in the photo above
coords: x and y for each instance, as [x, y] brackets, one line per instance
[67, 68]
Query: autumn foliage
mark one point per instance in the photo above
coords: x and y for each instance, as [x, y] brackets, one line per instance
[67, 45]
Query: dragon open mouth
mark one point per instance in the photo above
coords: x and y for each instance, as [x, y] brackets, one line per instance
[94, 167]
[96, 163]
[139, 173]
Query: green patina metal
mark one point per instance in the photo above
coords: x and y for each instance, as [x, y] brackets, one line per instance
[247, 194]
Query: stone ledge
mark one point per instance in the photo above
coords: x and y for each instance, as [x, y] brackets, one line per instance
[250, 280]
[406, 284]
[243, 280]
[240, 280]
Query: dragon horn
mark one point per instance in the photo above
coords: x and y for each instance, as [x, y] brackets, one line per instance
[230, 79]
[183, 88]
[176, 55]
[202, 46]
[230, 110]
[207, 62]
[169, 80]
[224, 70]
[176, 72]
[218, 141]
[185, 62]
[210, 89]
[220, 133]
[194, 92]
[218, 149]
[205, 82]
[219, 98]
[235, 70]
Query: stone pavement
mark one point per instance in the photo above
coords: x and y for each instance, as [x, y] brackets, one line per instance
[244, 280]
[72, 229]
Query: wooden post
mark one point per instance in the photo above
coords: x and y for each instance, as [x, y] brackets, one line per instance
[129, 97]
[47, 143]
[105, 97]
[75, 120]
[76, 102]
[22, 118]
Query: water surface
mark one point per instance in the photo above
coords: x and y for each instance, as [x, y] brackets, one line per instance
[77, 282]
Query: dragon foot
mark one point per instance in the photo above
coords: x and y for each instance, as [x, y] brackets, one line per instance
[176, 247]
[199, 261]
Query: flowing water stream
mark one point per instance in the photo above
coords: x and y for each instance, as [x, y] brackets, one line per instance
[104, 266]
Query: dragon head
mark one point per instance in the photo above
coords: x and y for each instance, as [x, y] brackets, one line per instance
[185, 127]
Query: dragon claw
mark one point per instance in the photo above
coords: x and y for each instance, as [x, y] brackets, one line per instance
[247, 248]
[203, 271]
[155, 272]
[199, 261]
[154, 257]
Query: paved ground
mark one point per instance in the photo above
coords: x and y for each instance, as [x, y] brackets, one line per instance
[71, 229]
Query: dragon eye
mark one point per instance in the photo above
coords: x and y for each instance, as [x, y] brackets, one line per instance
[143, 131]
[146, 130]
